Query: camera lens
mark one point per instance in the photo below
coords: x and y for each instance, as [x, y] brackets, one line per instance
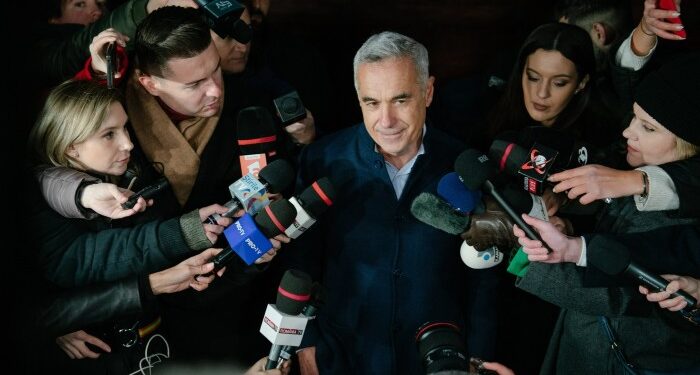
[441, 347]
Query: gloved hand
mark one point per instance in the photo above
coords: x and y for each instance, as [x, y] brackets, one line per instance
[493, 227]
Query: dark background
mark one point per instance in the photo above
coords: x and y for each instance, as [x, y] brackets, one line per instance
[464, 38]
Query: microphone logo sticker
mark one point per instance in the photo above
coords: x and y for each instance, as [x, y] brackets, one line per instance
[270, 323]
[253, 246]
[582, 156]
[240, 229]
[537, 162]
[291, 331]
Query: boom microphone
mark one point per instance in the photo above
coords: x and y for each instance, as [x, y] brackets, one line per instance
[310, 204]
[250, 193]
[248, 237]
[433, 211]
[612, 258]
[475, 170]
[281, 323]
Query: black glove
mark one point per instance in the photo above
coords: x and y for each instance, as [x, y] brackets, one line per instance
[492, 227]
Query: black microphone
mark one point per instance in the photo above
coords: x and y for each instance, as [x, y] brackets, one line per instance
[290, 108]
[147, 193]
[509, 156]
[257, 138]
[310, 204]
[281, 325]
[250, 193]
[614, 259]
[249, 236]
[475, 170]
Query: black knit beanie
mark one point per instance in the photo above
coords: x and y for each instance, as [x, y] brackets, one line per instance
[671, 95]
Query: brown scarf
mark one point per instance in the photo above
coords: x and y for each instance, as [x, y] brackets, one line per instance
[176, 146]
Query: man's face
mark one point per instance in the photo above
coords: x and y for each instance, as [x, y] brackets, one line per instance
[192, 86]
[234, 54]
[393, 106]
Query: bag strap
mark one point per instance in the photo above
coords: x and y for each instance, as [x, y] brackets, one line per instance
[605, 323]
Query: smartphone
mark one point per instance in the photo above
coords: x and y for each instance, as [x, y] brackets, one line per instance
[671, 5]
[111, 57]
[147, 193]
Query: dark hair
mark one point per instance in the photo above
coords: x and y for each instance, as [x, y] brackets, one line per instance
[574, 44]
[615, 15]
[168, 33]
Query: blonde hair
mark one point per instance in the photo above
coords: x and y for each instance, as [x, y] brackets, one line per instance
[685, 149]
[72, 113]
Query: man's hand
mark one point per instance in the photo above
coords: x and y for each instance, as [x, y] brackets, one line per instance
[106, 199]
[213, 231]
[490, 228]
[74, 345]
[304, 131]
[564, 248]
[276, 246]
[689, 284]
[307, 361]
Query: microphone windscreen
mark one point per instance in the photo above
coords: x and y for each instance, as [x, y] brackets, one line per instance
[433, 211]
[318, 197]
[607, 255]
[294, 292]
[451, 189]
[474, 168]
[256, 131]
[508, 155]
[275, 217]
[279, 174]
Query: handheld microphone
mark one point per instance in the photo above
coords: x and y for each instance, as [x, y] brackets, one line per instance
[475, 169]
[251, 194]
[282, 324]
[435, 212]
[257, 138]
[248, 237]
[310, 204]
[309, 311]
[290, 108]
[612, 258]
[147, 193]
[452, 190]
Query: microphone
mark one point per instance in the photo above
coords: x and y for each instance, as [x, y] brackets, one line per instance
[248, 236]
[475, 169]
[508, 155]
[310, 204]
[452, 190]
[309, 311]
[290, 108]
[524, 202]
[612, 258]
[435, 212]
[281, 323]
[250, 193]
[257, 138]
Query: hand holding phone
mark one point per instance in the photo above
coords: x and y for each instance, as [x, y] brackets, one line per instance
[111, 57]
[671, 5]
[147, 193]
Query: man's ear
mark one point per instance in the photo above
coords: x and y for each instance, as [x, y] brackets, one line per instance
[601, 35]
[429, 90]
[148, 82]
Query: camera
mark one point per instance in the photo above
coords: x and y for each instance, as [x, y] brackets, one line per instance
[223, 17]
[290, 108]
[441, 349]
